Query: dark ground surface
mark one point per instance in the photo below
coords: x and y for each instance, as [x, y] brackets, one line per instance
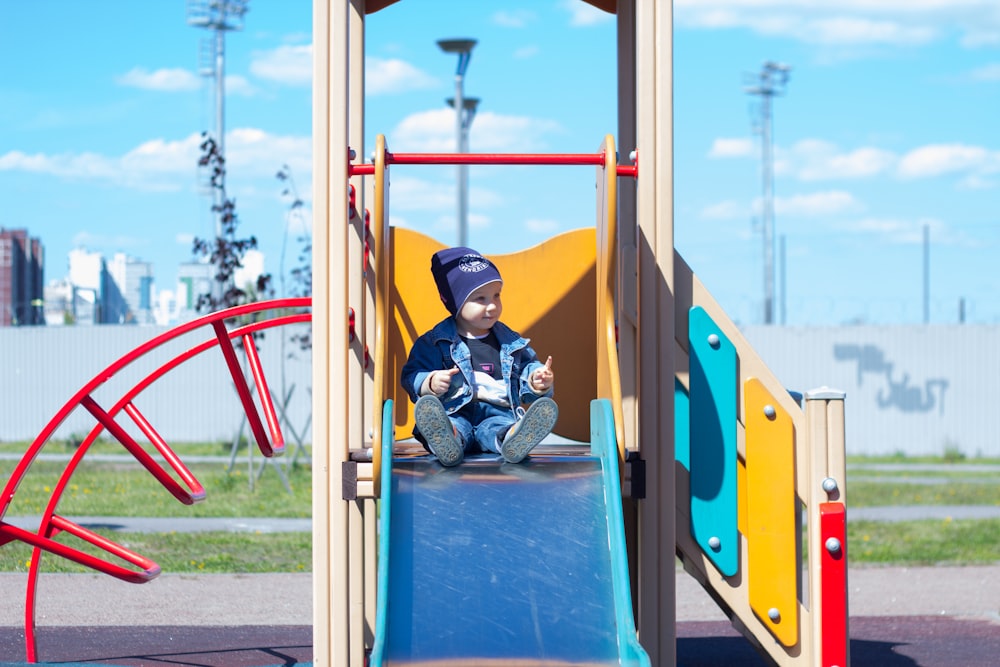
[909, 641]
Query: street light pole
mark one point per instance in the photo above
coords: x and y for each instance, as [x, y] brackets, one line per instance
[771, 81]
[465, 110]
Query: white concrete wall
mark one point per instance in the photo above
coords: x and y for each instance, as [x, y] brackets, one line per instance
[912, 389]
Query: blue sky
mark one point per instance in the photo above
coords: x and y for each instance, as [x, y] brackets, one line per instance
[888, 125]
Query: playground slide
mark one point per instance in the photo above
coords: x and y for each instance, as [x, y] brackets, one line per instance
[492, 563]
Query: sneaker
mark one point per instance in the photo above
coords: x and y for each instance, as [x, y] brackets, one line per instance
[438, 431]
[536, 423]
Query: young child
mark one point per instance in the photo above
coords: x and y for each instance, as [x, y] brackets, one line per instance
[470, 374]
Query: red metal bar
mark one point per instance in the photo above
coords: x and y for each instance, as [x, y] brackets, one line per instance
[141, 455]
[833, 573]
[360, 169]
[277, 439]
[51, 524]
[149, 570]
[495, 158]
[242, 388]
[197, 491]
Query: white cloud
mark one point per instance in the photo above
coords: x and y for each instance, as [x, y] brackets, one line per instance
[166, 80]
[816, 204]
[725, 210]
[169, 165]
[855, 31]
[988, 73]
[259, 153]
[119, 242]
[418, 194]
[239, 85]
[513, 19]
[726, 148]
[819, 160]
[905, 232]
[492, 132]
[434, 131]
[940, 159]
[290, 65]
[394, 76]
[541, 226]
[849, 23]
[583, 14]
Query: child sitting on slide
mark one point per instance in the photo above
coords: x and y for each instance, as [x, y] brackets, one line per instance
[471, 374]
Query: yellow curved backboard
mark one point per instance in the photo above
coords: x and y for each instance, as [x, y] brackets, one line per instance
[548, 297]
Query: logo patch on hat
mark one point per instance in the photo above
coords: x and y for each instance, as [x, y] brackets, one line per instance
[473, 263]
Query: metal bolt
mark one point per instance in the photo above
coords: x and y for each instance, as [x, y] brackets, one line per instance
[371, 432]
[632, 154]
[833, 545]
[829, 485]
[770, 412]
[714, 543]
[774, 614]
[713, 340]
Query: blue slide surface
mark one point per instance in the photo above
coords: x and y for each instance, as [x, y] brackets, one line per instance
[495, 563]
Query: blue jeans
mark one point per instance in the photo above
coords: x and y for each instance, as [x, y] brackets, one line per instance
[479, 426]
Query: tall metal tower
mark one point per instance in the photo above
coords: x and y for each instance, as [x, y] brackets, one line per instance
[770, 82]
[219, 16]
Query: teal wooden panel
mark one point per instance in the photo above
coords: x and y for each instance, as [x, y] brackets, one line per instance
[713, 414]
[682, 426]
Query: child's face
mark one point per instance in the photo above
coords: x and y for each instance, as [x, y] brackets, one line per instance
[481, 310]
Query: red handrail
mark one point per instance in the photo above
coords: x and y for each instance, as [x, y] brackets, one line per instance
[593, 159]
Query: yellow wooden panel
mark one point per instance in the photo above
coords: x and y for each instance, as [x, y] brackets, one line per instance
[549, 296]
[741, 496]
[771, 527]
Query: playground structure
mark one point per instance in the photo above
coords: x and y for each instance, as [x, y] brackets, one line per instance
[718, 462]
[694, 447]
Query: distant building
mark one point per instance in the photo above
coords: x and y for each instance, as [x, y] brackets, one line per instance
[135, 281]
[22, 265]
[95, 295]
[193, 280]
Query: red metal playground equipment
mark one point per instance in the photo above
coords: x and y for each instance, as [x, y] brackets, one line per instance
[124, 563]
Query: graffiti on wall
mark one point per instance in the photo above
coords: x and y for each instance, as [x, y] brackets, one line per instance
[895, 393]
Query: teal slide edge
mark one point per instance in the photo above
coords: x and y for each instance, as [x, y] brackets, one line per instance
[604, 444]
[385, 514]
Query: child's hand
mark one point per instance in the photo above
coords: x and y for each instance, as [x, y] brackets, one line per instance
[440, 381]
[542, 379]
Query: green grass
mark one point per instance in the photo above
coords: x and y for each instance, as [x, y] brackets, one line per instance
[109, 446]
[880, 494]
[102, 489]
[186, 553]
[924, 542]
[948, 458]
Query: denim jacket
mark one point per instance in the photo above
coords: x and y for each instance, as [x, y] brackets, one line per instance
[442, 348]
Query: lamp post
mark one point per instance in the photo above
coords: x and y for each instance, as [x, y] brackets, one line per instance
[465, 111]
[771, 82]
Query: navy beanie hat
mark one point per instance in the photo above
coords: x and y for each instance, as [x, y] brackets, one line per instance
[458, 272]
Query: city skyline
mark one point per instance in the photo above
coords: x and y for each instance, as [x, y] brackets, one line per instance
[886, 131]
